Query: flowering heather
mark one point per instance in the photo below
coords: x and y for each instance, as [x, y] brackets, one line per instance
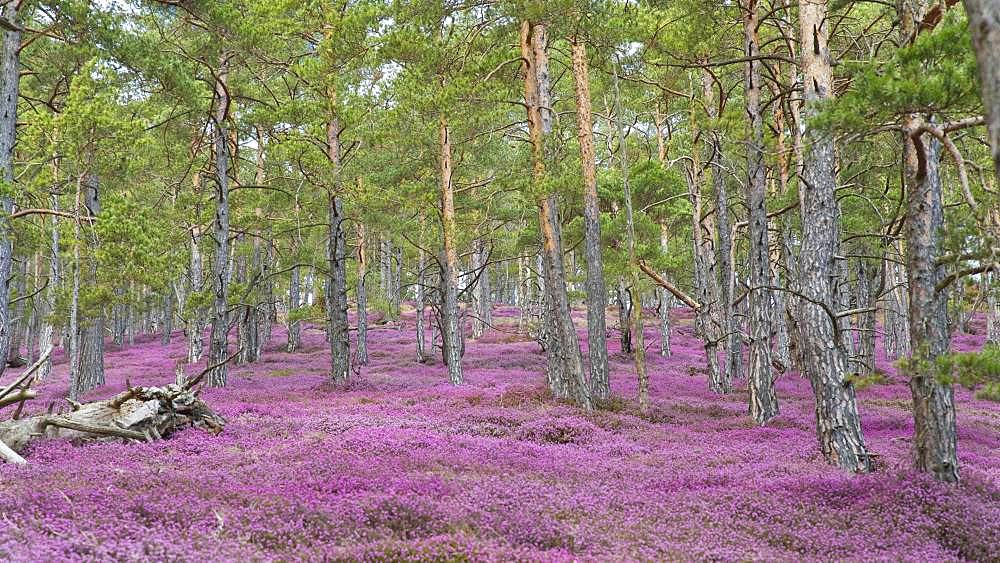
[403, 466]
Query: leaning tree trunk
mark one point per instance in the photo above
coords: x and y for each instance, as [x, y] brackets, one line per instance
[219, 341]
[762, 399]
[564, 359]
[838, 424]
[10, 75]
[597, 297]
[451, 329]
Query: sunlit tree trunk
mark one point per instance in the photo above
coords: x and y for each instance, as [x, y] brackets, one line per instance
[294, 300]
[825, 360]
[597, 295]
[451, 329]
[565, 362]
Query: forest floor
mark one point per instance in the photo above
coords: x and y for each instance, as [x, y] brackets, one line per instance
[403, 466]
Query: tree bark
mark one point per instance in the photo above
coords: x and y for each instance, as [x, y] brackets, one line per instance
[731, 333]
[294, 300]
[219, 342]
[984, 24]
[638, 335]
[597, 295]
[10, 76]
[763, 401]
[825, 360]
[564, 359]
[706, 282]
[935, 436]
[336, 287]
[361, 351]
[451, 328]
[421, 305]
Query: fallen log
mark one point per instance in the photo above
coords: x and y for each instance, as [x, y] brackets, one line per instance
[136, 414]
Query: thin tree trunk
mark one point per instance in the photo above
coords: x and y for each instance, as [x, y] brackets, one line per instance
[866, 320]
[195, 325]
[361, 351]
[706, 281]
[72, 350]
[46, 340]
[991, 285]
[624, 317]
[451, 329]
[724, 250]
[565, 362]
[219, 342]
[420, 305]
[763, 401]
[10, 76]
[597, 295]
[666, 299]
[825, 361]
[294, 300]
[639, 344]
[17, 320]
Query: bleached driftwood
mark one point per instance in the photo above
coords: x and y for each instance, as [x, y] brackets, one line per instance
[136, 414]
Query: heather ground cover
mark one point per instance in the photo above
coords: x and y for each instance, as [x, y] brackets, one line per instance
[403, 465]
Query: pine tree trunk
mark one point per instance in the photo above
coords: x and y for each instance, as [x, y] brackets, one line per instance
[336, 285]
[451, 329]
[194, 324]
[825, 361]
[935, 438]
[47, 336]
[294, 299]
[17, 321]
[624, 317]
[984, 24]
[219, 342]
[361, 351]
[763, 401]
[564, 359]
[420, 305]
[10, 75]
[639, 349]
[866, 320]
[597, 295]
[706, 282]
